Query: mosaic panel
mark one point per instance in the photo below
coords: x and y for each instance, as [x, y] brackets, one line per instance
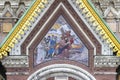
[61, 42]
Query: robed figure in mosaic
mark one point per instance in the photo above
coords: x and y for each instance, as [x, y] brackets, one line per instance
[61, 42]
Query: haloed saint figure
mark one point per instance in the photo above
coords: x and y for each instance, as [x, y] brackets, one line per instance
[61, 42]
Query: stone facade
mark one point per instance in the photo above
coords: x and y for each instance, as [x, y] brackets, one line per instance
[10, 13]
[110, 12]
[21, 65]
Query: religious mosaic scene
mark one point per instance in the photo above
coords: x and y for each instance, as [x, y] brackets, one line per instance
[59, 39]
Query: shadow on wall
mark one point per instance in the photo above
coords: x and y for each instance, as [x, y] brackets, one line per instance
[118, 73]
[2, 72]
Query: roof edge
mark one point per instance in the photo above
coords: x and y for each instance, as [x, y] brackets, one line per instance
[96, 11]
[11, 31]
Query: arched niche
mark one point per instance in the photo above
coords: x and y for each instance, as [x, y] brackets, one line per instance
[68, 70]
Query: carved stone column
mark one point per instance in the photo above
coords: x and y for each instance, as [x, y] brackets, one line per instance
[117, 27]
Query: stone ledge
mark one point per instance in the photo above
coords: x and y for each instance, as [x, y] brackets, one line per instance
[106, 73]
[16, 61]
[106, 61]
[17, 73]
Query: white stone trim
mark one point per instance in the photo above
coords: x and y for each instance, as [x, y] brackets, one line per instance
[17, 73]
[59, 77]
[15, 61]
[65, 68]
[106, 73]
[106, 61]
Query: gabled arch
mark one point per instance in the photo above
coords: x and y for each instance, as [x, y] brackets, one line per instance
[43, 25]
[38, 27]
[46, 16]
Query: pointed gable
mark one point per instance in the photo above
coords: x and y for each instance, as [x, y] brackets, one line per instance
[21, 10]
[8, 12]
[84, 6]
